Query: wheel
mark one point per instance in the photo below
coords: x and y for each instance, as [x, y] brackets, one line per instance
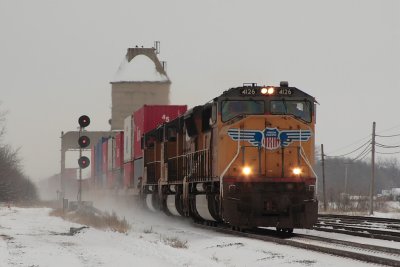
[289, 230]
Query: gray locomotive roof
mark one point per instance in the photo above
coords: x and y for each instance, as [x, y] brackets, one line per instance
[295, 92]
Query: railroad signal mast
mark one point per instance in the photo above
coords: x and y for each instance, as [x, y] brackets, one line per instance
[83, 142]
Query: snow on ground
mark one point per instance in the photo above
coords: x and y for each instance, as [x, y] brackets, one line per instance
[351, 238]
[30, 237]
[394, 210]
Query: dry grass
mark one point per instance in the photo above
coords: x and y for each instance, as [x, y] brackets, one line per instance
[214, 258]
[96, 220]
[148, 231]
[57, 213]
[175, 242]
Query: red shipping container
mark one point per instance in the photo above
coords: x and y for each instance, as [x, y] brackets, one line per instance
[119, 151]
[128, 174]
[110, 180]
[149, 117]
[105, 157]
[92, 161]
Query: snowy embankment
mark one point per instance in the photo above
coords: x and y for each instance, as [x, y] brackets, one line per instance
[30, 237]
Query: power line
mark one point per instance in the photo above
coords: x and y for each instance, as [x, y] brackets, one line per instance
[368, 136]
[366, 154]
[354, 143]
[363, 153]
[360, 147]
[393, 135]
[391, 128]
[388, 153]
[386, 146]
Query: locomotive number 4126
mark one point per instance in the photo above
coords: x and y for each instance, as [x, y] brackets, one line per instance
[253, 91]
[285, 91]
[248, 91]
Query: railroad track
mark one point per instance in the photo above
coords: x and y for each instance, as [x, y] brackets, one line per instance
[362, 252]
[370, 227]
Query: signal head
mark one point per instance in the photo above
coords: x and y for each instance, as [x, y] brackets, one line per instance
[84, 121]
[83, 162]
[84, 141]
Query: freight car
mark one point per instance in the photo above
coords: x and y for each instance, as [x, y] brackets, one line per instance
[245, 158]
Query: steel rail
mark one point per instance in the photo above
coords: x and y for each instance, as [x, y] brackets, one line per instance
[285, 241]
[363, 218]
[368, 224]
[384, 235]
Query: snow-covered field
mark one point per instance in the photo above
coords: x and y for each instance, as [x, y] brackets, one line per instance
[30, 237]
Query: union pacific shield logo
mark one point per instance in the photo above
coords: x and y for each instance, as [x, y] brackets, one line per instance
[270, 138]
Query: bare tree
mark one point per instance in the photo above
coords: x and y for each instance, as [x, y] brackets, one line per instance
[14, 185]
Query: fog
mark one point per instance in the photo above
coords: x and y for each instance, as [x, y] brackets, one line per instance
[57, 59]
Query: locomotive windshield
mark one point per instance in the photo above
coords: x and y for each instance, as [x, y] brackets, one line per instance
[300, 109]
[231, 109]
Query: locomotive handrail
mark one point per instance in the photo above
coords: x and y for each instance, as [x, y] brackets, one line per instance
[157, 161]
[197, 151]
[221, 187]
[176, 157]
[195, 165]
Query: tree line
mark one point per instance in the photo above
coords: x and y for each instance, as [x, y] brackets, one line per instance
[15, 186]
[387, 176]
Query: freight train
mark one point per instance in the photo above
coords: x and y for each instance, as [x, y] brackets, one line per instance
[245, 158]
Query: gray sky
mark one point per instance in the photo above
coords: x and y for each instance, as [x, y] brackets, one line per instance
[57, 58]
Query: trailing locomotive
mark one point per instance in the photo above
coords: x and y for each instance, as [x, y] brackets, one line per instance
[245, 158]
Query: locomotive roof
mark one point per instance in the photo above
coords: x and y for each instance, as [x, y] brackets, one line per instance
[255, 90]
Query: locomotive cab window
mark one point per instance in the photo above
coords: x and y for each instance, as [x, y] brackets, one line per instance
[232, 109]
[299, 109]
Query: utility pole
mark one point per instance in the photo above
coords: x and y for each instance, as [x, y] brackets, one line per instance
[80, 171]
[62, 182]
[83, 142]
[323, 175]
[345, 177]
[372, 187]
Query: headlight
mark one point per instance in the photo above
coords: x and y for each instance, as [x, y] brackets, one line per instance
[246, 170]
[296, 171]
[271, 90]
[264, 90]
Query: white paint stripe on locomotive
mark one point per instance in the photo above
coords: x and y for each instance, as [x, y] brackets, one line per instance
[149, 202]
[171, 205]
[202, 207]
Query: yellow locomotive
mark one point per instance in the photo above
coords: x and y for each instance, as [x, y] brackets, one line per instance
[245, 158]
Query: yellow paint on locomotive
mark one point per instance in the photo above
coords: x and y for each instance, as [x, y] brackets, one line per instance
[271, 160]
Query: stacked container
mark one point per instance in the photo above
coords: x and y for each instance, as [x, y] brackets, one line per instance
[146, 119]
[127, 152]
[104, 162]
[149, 117]
[98, 162]
[118, 159]
[119, 150]
[93, 163]
[110, 162]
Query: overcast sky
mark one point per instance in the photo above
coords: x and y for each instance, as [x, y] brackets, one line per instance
[58, 57]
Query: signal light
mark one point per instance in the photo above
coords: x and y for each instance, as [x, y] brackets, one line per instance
[84, 141]
[83, 162]
[84, 121]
